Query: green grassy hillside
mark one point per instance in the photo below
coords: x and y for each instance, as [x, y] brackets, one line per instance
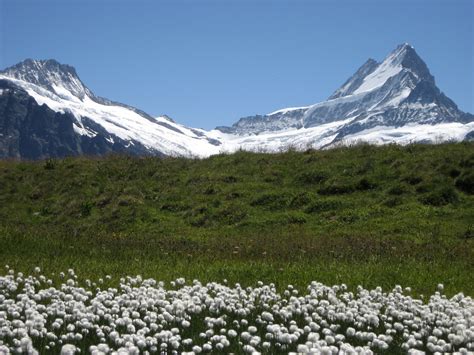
[360, 215]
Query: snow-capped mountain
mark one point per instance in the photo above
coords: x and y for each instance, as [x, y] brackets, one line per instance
[47, 111]
[393, 101]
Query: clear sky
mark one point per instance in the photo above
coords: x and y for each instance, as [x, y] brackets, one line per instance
[207, 63]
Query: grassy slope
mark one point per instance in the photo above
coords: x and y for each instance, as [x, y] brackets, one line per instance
[361, 215]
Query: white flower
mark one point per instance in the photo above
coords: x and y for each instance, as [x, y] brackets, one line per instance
[68, 349]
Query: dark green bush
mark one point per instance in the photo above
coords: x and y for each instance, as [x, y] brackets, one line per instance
[301, 200]
[441, 196]
[365, 184]
[272, 201]
[336, 188]
[210, 190]
[454, 172]
[198, 217]
[50, 164]
[296, 218]
[312, 177]
[413, 179]
[229, 179]
[467, 162]
[174, 207]
[465, 182]
[231, 214]
[425, 187]
[397, 190]
[469, 233]
[234, 195]
[393, 201]
[86, 208]
[323, 206]
[349, 218]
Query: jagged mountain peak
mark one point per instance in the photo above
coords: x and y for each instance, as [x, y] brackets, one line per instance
[395, 92]
[51, 75]
[41, 67]
[372, 75]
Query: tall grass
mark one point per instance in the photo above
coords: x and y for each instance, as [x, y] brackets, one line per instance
[360, 215]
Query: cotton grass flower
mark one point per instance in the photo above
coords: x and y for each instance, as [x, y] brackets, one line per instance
[142, 315]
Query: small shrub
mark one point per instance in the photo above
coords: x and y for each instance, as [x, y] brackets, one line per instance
[103, 201]
[296, 218]
[300, 200]
[35, 194]
[275, 177]
[448, 169]
[174, 207]
[323, 206]
[465, 183]
[271, 201]
[210, 190]
[229, 179]
[231, 214]
[423, 188]
[467, 162]
[233, 195]
[198, 217]
[441, 196]
[196, 180]
[128, 200]
[397, 190]
[365, 184]
[393, 201]
[454, 172]
[312, 177]
[469, 233]
[45, 211]
[336, 188]
[86, 208]
[396, 164]
[198, 221]
[364, 168]
[49, 164]
[349, 218]
[413, 179]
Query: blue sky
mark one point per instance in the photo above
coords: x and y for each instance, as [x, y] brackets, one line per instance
[208, 63]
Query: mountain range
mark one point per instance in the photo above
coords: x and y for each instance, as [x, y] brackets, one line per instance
[47, 111]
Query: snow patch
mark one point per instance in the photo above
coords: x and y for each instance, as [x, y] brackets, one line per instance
[412, 133]
[288, 109]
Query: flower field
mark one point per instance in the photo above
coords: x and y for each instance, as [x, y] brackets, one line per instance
[66, 314]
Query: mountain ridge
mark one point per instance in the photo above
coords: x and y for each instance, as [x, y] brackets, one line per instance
[396, 92]
[397, 97]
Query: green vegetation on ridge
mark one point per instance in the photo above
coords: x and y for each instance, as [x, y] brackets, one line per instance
[359, 215]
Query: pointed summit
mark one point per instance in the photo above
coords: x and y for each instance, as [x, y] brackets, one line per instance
[412, 62]
[372, 75]
[50, 75]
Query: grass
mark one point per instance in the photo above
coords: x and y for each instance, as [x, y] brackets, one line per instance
[359, 215]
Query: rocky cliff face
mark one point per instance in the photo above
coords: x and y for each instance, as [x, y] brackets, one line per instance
[47, 111]
[31, 131]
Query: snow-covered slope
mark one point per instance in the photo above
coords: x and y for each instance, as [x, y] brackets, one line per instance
[58, 87]
[46, 110]
[380, 98]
